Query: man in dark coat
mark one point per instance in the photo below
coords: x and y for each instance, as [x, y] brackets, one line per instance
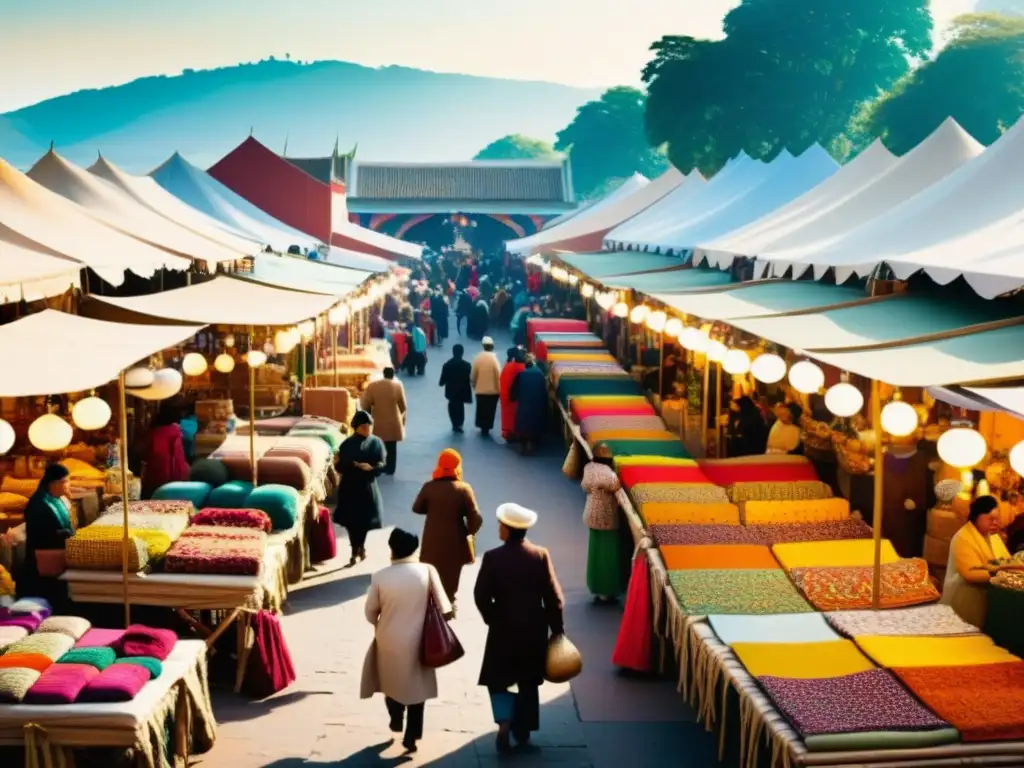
[520, 600]
[530, 394]
[458, 387]
[439, 314]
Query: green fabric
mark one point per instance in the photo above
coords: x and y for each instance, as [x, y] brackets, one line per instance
[46, 517]
[736, 591]
[670, 448]
[155, 667]
[100, 657]
[616, 385]
[604, 572]
[332, 437]
[280, 502]
[209, 471]
[231, 495]
[872, 740]
[196, 493]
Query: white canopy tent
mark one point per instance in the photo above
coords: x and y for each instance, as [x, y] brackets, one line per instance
[1009, 399]
[760, 299]
[308, 276]
[785, 178]
[31, 272]
[107, 204]
[49, 220]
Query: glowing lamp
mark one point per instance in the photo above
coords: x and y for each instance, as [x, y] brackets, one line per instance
[844, 400]
[338, 315]
[255, 358]
[673, 327]
[6, 437]
[605, 300]
[768, 368]
[229, 340]
[639, 314]
[736, 362]
[91, 413]
[587, 290]
[138, 378]
[962, 447]
[694, 339]
[899, 419]
[1016, 454]
[716, 351]
[621, 309]
[573, 280]
[656, 321]
[224, 363]
[307, 329]
[166, 383]
[194, 364]
[50, 433]
[284, 341]
[806, 377]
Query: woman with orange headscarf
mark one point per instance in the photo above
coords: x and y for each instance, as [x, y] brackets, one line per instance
[452, 520]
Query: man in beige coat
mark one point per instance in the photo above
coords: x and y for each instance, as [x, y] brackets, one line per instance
[384, 400]
[486, 378]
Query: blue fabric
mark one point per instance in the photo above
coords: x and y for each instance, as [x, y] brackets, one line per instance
[280, 502]
[231, 495]
[782, 628]
[419, 340]
[530, 392]
[189, 429]
[197, 493]
[503, 706]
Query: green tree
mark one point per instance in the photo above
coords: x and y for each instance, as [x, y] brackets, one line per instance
[978, 79]
[788, 74]
[518, 147]
[606, 140]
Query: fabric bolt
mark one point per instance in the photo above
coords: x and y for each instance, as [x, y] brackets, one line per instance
[984, 702]
[581, 412]
[36, 606]
[657, 474]
[60, 684]
[682, 534]
[832, 554]
[703, 593]
[647, 448]
[26, 621]
[797, 511]
[154, 666]
[680, 493]
[231, 495]
[970, 650]
[192, 492]
[72, 626]
[280, 502]
[601, 423]
[863, 701]
[665, 513]
[154, 507]
[903, 583]
[718, 557]
[652, 461]
[569, 388]
[139, 640]
[787, 491]
[100, 638]
[234, 518]
[726, 475]
[116, 683]
[802, 661]
[15, 682]
[784, 533]
[36, 661]
[99, 657]
[607, 435]
[171, 524]
[781, 628]
[11, 635]
[923, 620]
[53, 645]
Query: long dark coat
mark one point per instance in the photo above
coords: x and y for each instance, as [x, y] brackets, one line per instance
[530, 393]
[452, 516]
[519, 597]
[455, 378]
[360, 506]
[439, 314]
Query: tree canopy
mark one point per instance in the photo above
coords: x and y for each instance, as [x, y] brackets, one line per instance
[606, 140]
[515, 146]
[978, 79]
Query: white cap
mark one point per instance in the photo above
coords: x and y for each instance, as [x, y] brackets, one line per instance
[515, 516]
[487, 341]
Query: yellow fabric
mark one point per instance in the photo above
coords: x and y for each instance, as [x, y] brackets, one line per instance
[671, 513]
[20, 486]
[591, 400]
[970, 551]
[586, 358]
[12, 502]
[81, 471]
[104, 554]
[157, 542]
[653, 461]
[604, 435]
[801, 511]
[832, 554]
[803, 661]
[933, 651]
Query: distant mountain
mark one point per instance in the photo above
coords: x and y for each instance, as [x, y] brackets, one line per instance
[391, 113]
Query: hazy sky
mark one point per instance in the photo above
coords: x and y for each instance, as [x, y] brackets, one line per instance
[51, 47]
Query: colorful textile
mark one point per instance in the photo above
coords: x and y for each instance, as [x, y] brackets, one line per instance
[171, 524]
[788, 491]
[781, 628]
[35, 606]
[139, 640]
[535, 325]
[782, 533]
[231, 495]
[100, 638]
[721, 557]
[680, 493]
[633, 646]
[668, 513]
[802, 661]
[154, 666]
[60, 684]
[582, 356]
[234, 518]
[875, 740]
[768, 472]
[652, 461]
[832, 554]
[647, 448]
[36, 661]
[217, 550]
[192, 492]
[98, 657]
[608, 435]
[118, 682]
[53, 645]
[583, 412]
[964, 651]
[100, 548]
[15, 682]
[863, 701]
[280, 502]
[635, 422]
[72, 626]
[654, 473]
[799, 511]
[154, 507]
[666, 535]
[983, 702]
[703, 593]
[903, 583]
[11, 635]
[922, 621]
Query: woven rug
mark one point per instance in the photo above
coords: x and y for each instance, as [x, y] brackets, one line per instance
[682, 493]
[964, 651]
[923, 620]
[903, 584]
[703, 593]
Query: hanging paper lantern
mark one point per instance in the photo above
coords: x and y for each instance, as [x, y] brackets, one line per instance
[621, 309]
[166, 384]
[716, 351]
[138, 378]
[229, 340]
[768, 368]
[736, 362]
[1016, 455]
[255, 358]
[806, 377]
[284, 341]
[6, 437]
[695, 339]
[656, 321]
[962, 447]
[573, 280]
[91, 413]
[307, 329]
[899, 419]
[639, 314]
[224, 363]
[194, 364]
[605, 300]
[338, 315]
[673, 327]
[50, 433]
[844, 399]
[586, 290]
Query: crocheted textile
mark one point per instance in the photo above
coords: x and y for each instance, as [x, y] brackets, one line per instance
[154, 666]
[15, 683]
[924, 620]
[702, 593]
[60, 684]
[53, 645]
[72, 626]
[99, 657]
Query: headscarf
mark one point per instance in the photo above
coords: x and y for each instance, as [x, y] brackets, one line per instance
[361, 418]
[449, 465]
[52, 474]
[403, 544]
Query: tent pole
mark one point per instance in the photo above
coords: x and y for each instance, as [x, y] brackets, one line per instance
[334, 352]
[661, 365]
[252, 413]
[123, 458]
[718, 413]
[876, 518]
[303, 360]
[704, 406]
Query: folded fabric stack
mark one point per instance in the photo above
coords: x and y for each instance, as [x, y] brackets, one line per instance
[218, 550]
[74, 627]
[99, 548]
[535, 325]
[154, 507]
[581, 408]
[234, 518]
[903, 583]
[170, 523]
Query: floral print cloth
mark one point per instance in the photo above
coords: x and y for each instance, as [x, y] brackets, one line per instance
[682, 493]
[782, 533]
[864, 701]
[702, 593]
[903, 583]
[924, 621]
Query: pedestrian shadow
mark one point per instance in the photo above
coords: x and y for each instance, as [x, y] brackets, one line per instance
[327, 593]
[231, 709]
[368, 756]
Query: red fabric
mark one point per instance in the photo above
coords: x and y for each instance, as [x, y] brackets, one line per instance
[474, 278]
[537, 325]
[631, 476]
[533, 282]
[633, 645]
[165, 458]
[581, 412]
[400, 341]
[758, 473]
[323, 544]
[270, 667]
[508, 406]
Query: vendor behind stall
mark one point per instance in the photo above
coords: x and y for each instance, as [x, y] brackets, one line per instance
[972, 549]
[47, 527]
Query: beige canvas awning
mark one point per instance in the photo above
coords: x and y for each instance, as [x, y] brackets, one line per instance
[31, 272]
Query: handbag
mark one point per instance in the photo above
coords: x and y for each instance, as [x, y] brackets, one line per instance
[439, 646]
[471, 542]
[51, 563]
[563, 661]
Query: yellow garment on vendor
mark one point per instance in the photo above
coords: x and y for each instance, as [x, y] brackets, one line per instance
[889, 652]
[783, 438]
[965, 588]
[802, 661]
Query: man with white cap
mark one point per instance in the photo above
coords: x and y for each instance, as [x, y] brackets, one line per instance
[486, 378]
[518, 595]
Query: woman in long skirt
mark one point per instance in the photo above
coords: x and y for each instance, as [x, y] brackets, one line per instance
[601, 516]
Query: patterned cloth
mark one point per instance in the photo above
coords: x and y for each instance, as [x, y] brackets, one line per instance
[702, 534]
[702, 593]
[768, 491]
[923, 621]
[153, 508]
[782, 533]
[864, 701]
[903, 583]
[680, 493]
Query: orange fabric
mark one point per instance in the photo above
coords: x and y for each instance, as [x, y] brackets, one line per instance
[671, 513]
[798, 511]
[35, 661]
[449, 464]
[700, 557]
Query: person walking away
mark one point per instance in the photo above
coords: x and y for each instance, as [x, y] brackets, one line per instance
[396, 605]
[746, 430]
[530, 394]
[417, 359]
[360, 509]
[452, 520]
[486, 378]
[384, 400]
[164, 459]
[520, 600]
[47, 528]
[439, 314]
[513, 366]
[476, 328]
[463, 308]
[458, 387]
[601, 516]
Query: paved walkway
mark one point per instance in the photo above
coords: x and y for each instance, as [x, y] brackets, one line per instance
[601, 720]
